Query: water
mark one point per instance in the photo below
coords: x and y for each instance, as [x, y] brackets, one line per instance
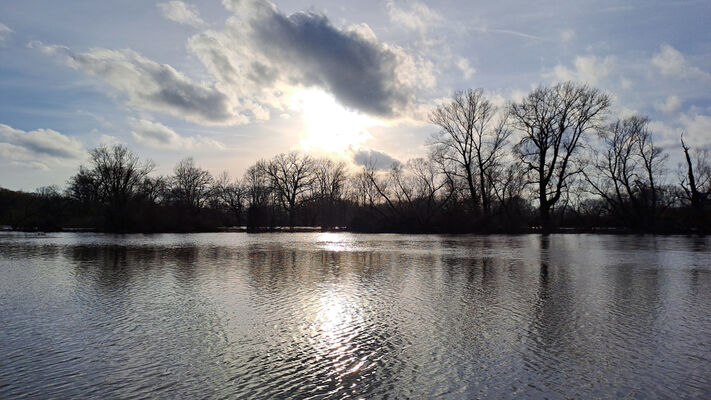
[339, 315]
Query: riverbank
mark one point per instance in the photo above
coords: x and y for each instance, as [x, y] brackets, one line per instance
[308, 229]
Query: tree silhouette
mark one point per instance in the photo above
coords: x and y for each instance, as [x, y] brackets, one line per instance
[553, 121]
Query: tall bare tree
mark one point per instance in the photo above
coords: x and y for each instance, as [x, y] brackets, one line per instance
[291, 176]
[259, 193]
[114, 177]
[329, 186]
[696, 181]
[471, 142]
[329, 178]
[231, 195]
[362, 187]
[191, 184]
[652, 159]
[615, 169]
[553, 122]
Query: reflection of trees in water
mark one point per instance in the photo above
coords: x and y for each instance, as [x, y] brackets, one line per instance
[19, 250]
[266, 318]
[482, 304]
[558, 341]
[147, 316]
[584, 309]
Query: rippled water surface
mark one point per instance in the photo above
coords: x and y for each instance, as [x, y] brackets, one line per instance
[339, 315]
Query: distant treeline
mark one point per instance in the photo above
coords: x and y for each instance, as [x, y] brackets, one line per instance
[553, 160]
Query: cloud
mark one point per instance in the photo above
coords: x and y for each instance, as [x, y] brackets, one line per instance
[588, 69]
[262, 52]
[671, 104]
[5, 32]
[40, 146]
[625, 83]
[467, 70]
[567, 36]
[670, 62]
[418, 17]
[150, 85]
[694, 125]
[108, 140]
[157, 135]
[696, 128]
[33, 165]
[182, 13]
[369, 157]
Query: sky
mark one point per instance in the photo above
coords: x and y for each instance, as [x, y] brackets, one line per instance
[234, 81]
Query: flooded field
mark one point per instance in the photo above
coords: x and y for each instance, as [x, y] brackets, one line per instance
[318, 315]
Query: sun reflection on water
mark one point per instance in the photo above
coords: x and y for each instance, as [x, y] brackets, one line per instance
[335, 241]
[336, 329]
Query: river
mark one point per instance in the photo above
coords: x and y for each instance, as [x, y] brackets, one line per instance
[339, 315]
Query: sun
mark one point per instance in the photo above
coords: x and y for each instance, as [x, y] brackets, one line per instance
[330, 127]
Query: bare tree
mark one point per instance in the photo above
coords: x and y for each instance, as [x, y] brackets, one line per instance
[154, 190]
[625, 171]
[553, 122]
[470, 142]
[509, 184]
[428, 184]
[615, 167]
[119, 172]
[653, 160]
[84, 186]
[696, 182]
[362, 187]
[291, 176]
[191, 185]
[231, 195]
[114, 178]
[258, 192]
[330, 179]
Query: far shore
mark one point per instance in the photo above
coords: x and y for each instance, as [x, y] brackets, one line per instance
[319, 229]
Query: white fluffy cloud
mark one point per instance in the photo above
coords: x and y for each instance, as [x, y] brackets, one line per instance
[696, 128]
[5, 32]
[694, 125]
[417, 17]
[182, 13]
[157, 135]
[588, 69]
[151, 85]
[256, 61]
[467, 70]
[670, 62]
[39, 147]
[669, 105]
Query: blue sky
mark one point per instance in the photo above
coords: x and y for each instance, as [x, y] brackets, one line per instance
[233, 81]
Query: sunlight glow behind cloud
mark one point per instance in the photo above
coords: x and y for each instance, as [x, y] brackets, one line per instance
[329, 126]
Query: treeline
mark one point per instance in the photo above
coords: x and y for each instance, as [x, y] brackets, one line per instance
[553, 160]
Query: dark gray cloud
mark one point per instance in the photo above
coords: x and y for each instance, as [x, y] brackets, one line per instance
[39, 146]
[150, 85]
[376, 159]
[261, 49]
[359, 73]
[256, 61]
